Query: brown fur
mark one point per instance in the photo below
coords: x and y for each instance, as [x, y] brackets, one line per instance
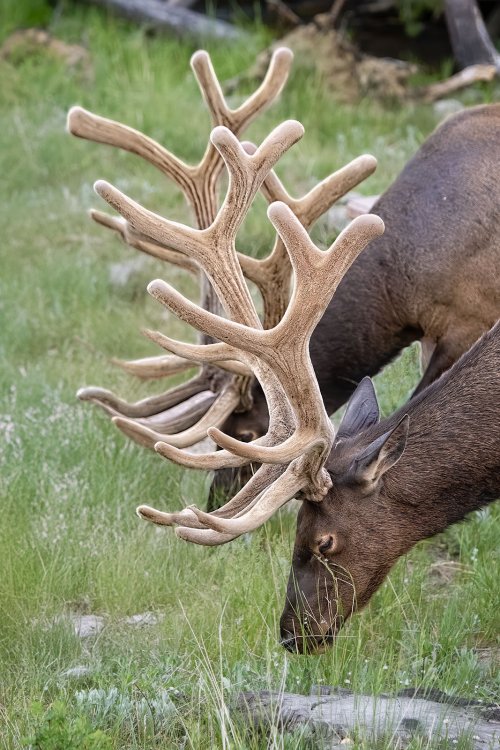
[433, 275]
[376, 512]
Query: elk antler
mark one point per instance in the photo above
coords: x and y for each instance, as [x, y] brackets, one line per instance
[300, 434]
[213, 248]
[280, 359]
[272, 275]
[198, 183]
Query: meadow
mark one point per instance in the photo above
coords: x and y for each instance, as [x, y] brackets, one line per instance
[70, 541]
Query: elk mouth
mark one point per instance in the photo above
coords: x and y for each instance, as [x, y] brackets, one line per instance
[307, 644]
[310, 643]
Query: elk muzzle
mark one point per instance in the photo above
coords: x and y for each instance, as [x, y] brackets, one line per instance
[319, 598]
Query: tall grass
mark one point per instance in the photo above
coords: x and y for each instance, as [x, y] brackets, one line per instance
[69, 539]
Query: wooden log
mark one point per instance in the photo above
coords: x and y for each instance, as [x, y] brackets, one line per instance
[179, 20]
[469, 37]
[334, 715]
[462, 79]
[183, 3]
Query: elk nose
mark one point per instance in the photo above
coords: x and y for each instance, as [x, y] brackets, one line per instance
[289, 641]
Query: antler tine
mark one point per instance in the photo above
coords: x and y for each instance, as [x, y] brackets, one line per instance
[327, 192]
[150, 368]
[87, 125]
[274, 80]
[142, 243]
[205, 461]
[224, 355]
[148, 406]
[272, 275]
[204, 536]
[149, 431]
[210, 88]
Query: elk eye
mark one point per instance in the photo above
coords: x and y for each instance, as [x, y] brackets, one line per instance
[326, 544]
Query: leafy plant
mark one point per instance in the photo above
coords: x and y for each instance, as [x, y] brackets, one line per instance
[411, 12]
[57, 731]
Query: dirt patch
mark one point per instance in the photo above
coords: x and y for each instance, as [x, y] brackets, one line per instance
[445, 571]
[345, 70]
[351, 74]
[28, 42]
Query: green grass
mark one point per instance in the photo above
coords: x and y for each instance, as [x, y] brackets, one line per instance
[69, 538]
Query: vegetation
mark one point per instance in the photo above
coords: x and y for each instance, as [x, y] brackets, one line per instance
[69, 539]
[411, 12]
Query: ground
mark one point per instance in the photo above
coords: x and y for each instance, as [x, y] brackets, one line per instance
[69, 539]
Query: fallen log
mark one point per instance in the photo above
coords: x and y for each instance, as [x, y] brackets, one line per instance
[166, 16]
[466, 77]
[334, 716]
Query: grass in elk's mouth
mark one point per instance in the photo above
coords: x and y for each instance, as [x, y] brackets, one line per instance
[70, 541]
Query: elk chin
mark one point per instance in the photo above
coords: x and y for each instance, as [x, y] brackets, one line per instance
[312, 644]
[308, 633]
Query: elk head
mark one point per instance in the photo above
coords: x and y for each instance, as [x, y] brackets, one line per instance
[346, 544]
[294, 454]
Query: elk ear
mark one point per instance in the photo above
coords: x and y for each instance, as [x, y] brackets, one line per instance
[362, 410]
[381, 454]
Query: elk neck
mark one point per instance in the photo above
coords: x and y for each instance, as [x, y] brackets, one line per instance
[362, 329]
[434, 271]
[451, 464]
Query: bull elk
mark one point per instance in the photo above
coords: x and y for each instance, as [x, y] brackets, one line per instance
[372, 490]
[433, 275]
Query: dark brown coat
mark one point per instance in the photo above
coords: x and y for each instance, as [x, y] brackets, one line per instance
[395, 482]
